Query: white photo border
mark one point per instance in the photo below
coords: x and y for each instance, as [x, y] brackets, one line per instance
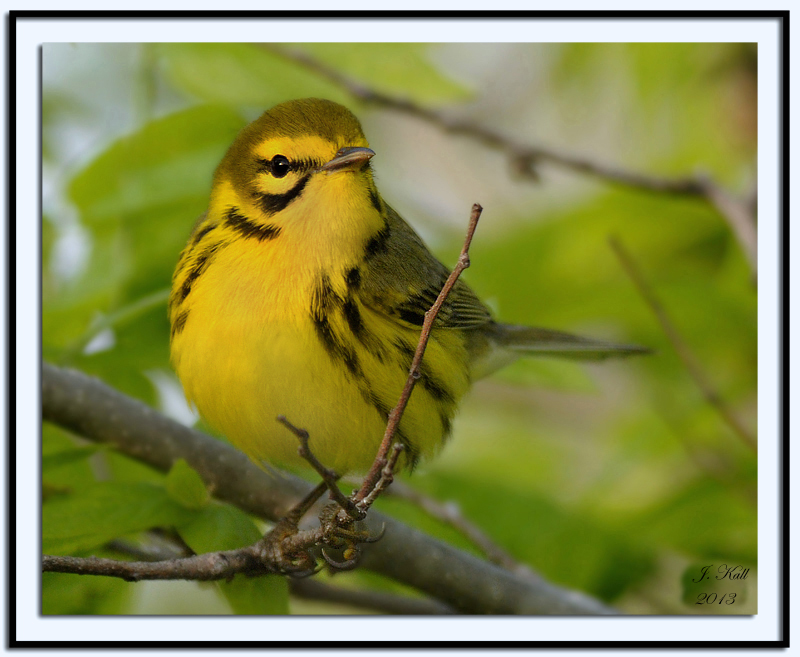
[29, 626]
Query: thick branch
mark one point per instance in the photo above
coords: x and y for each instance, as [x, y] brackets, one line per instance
[91, 409]
[388, 603]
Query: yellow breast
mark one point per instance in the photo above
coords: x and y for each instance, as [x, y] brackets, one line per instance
[268, 324]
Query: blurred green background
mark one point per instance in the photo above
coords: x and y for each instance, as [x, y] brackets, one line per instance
[618, 479]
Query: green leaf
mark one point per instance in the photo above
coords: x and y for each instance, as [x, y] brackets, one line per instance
[217, 528]
[138, 199]
[186, 487]
[140, 344]
[403, 69]
[241, 74]
[72, 476]
[69, 595]
[102, 512]
[253, 75]
[123, 468]
[167, 160]
[257, 596]
[124, 315]
[704, 520]
[68, 456]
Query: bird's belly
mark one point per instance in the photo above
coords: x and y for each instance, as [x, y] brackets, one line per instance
[242, 371]
[241, 385]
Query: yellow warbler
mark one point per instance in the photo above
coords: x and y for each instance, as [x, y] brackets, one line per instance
[301, 292]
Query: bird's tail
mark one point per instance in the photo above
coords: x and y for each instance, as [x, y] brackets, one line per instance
[529, 340]
[508, 342]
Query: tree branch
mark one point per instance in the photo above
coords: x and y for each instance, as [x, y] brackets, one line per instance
[200, 567]
[450, 514]
[388, 603]
[161, 549]
[738, 213]
[685, 354]
[88, 407]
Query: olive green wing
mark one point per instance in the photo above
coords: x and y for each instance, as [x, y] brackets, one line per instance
[402, 279]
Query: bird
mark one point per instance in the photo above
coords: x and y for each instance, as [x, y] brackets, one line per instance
[301, 293]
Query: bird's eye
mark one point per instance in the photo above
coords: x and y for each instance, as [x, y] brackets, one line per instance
[280, 166]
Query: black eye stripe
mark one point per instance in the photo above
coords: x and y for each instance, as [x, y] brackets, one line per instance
[280, 165]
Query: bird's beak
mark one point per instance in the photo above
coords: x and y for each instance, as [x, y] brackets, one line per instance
[350, 157]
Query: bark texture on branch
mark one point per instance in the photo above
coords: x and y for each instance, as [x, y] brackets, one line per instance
[90, 408]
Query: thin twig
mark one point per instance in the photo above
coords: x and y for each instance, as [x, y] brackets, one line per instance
[386, 478]
[328, 476]
[737, 212]
[375, 473]
[688, 359]
[202, 567]
[449, 513]
[716, 464]
[740, 215]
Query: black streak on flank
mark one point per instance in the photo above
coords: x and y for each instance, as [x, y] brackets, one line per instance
[247, 228]
[353, 278]
[410, 451]
[324, 301]
[413, 309]
[435, 387]
[375, 199]
[407, 352]
[447, 425]
[200, 234]
[336, 349]
[199, 266]
[353, 317]
[379, 242]
[179, 323]
[274, 203]
[432, 385]
[414, 317]
[377, 402]
[355, 322]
